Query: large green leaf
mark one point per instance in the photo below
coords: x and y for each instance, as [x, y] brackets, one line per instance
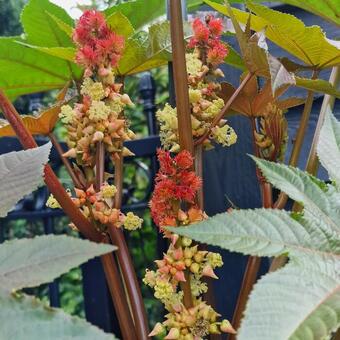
[20, 173]
[31, 262]
[258, 232]
[144, 52]
[298, 302]
[39, 27]
[120, 24]
[317, 85]
[329, 147]
[309, 44]
[304, 189]
[66, 53]
[327, 9]
[26, 318]
[68, 29]
[41, 21]
[256, 57]
[24, 70]
[139, 12]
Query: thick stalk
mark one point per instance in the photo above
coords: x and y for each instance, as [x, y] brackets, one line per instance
[209, 295]
[65, 161]
[294, 157]
[337, 335]
[199, 173]
[51, 180]
[100, 164]
[254, 262]
[100, 170]
[225, 108]
[125, 262]
[328, 102]
[182, 103]
[119, 298]
[180, 77]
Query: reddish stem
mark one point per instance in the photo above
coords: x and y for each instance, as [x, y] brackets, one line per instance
[225, 108]
[254, 262]
[51, 180]
[119, 298]
[125, 261]
[182, 103]
[120, 242]
[65, 161]
[100, 164]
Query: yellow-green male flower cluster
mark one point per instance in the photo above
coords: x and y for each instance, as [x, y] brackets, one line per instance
[201, 319]
[98, 118]
[52, 202]
[193, 323]
[100, 205]
[205, 106]
[92, 89]
[132, 221]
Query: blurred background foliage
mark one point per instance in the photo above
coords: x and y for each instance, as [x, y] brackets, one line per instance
[143, 243]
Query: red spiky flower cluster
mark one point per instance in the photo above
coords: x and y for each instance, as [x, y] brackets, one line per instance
[207, 39]
[97, 44]
[175, 184]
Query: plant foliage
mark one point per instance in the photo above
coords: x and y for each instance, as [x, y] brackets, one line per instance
[31, 262]
[302, 300]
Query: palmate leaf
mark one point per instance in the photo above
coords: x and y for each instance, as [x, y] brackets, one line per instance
[40, 29]
[256, 57]
[329, 147]
[146, 51]
[318, 202]
[32, 262]
[253, 102]
[23, 317]
[302, 300]
[139, 12]
[65, 53]
[120, 24]
[299, 302]
[306, 43]
[327, 9]
[258, 232]
[65, 27]
[24, 70]
[317, 85]
[42, 124]
[20, 174]
[309, 44]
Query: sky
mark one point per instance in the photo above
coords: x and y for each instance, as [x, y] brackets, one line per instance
[70, 6]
